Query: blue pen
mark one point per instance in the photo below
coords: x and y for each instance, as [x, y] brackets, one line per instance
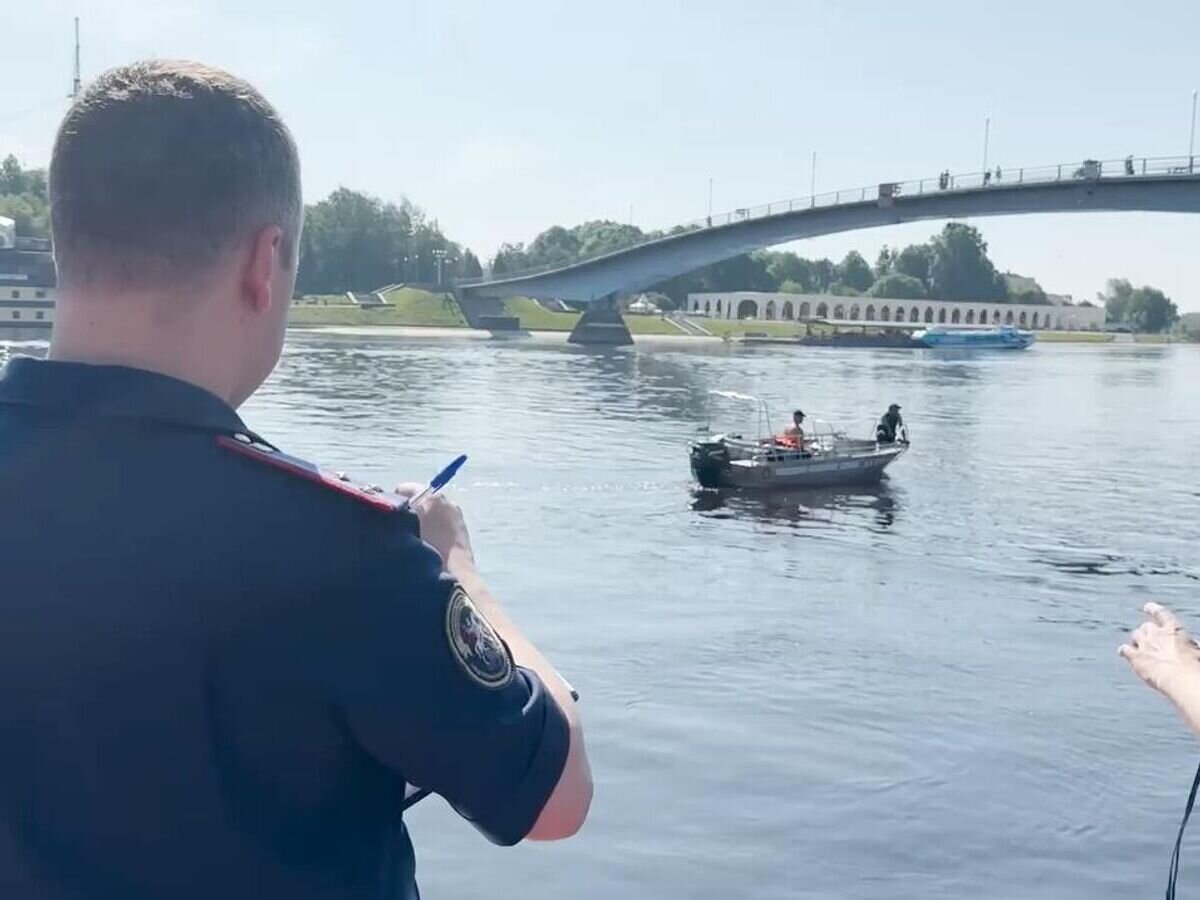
[440, 480]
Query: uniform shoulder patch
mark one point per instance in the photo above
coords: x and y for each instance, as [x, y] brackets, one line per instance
[474, 644]
[371, 495]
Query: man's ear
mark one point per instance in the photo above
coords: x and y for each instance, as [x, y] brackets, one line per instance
[257, 277]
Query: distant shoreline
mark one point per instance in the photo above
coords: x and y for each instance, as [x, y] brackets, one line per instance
[475, 334]
[417, 313]
[560, 337]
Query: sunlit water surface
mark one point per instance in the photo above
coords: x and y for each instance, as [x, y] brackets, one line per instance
[910, 690]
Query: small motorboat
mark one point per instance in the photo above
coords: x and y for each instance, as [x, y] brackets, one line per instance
[827, 458]
[1005, 337]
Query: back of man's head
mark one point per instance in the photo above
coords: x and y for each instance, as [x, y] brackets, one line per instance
[160, 170]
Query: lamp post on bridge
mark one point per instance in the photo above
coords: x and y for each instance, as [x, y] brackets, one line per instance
[440, 255]
[1192, 140]
[987, 130]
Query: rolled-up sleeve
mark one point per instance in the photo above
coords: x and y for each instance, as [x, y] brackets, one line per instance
[432, 694]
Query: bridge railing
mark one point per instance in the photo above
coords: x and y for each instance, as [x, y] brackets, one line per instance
[1000, 177]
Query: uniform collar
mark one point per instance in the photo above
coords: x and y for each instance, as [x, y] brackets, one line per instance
[90, 391]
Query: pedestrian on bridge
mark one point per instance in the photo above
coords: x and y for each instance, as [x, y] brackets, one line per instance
[224, 669]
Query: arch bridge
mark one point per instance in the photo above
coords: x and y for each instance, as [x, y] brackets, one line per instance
[1151, 184]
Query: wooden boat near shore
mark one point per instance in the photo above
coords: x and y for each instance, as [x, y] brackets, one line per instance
[842, 333]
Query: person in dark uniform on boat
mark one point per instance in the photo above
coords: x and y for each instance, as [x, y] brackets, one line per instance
[224, 669]
[890, 426]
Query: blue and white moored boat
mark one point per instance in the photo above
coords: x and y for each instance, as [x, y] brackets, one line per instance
[1005, 337]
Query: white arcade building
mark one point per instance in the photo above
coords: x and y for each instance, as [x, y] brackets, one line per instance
[1058, 315]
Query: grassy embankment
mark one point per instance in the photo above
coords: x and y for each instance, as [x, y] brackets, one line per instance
[416, 308]
[422, 309]
[408, 307]
[535, 317]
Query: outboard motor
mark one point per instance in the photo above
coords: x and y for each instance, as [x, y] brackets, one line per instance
[709, 460]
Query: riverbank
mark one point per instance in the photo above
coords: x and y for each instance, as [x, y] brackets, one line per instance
[473, 334]
[416, 313]
[422, 309]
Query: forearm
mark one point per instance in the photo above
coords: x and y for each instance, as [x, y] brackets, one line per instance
[568, 805]
[1185, 696]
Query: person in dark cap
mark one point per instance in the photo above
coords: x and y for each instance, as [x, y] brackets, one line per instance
[224, 669]
[890, 425]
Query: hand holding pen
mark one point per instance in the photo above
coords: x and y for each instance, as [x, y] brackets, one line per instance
[449, 533]
[439, 481]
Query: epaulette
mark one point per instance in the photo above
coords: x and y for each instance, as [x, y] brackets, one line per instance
[253, 447]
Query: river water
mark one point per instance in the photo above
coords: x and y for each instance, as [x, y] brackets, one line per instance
[904, 691]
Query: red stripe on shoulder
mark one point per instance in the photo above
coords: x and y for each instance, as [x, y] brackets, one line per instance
[373, 497]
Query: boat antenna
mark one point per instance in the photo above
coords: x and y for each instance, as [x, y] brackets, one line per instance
[75, 84]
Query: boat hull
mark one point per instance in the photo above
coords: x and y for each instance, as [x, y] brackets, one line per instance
[1004, 338]
[714, 466]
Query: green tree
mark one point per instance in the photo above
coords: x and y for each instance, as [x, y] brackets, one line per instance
[509, 258]
[915, 261]
[841, 289]
[1023, 289]
[470, 265]
[747, 272]
[553, 247]
[793, 287]
[899, 287]
[604, 236]
[1030, 296]
[560, 246]
[883, 262]
[853, 272]
[355, 242]
[29, 211]
[1151, 310]
[1189, 326]
[12, 178]
[787, 267]
[680, 286]
[349, 243]
[1115, 297]
[961, 269]
[23, 198]
[824, 274]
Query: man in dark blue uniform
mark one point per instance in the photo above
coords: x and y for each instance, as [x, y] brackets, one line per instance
[221, 667]
[890, 426]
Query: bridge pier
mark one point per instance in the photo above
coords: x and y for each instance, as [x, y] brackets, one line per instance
[488, 314]
[601, 324]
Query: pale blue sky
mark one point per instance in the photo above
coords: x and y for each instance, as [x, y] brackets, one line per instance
[503, 118]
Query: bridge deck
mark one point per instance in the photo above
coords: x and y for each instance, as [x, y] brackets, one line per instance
[1164, 184]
